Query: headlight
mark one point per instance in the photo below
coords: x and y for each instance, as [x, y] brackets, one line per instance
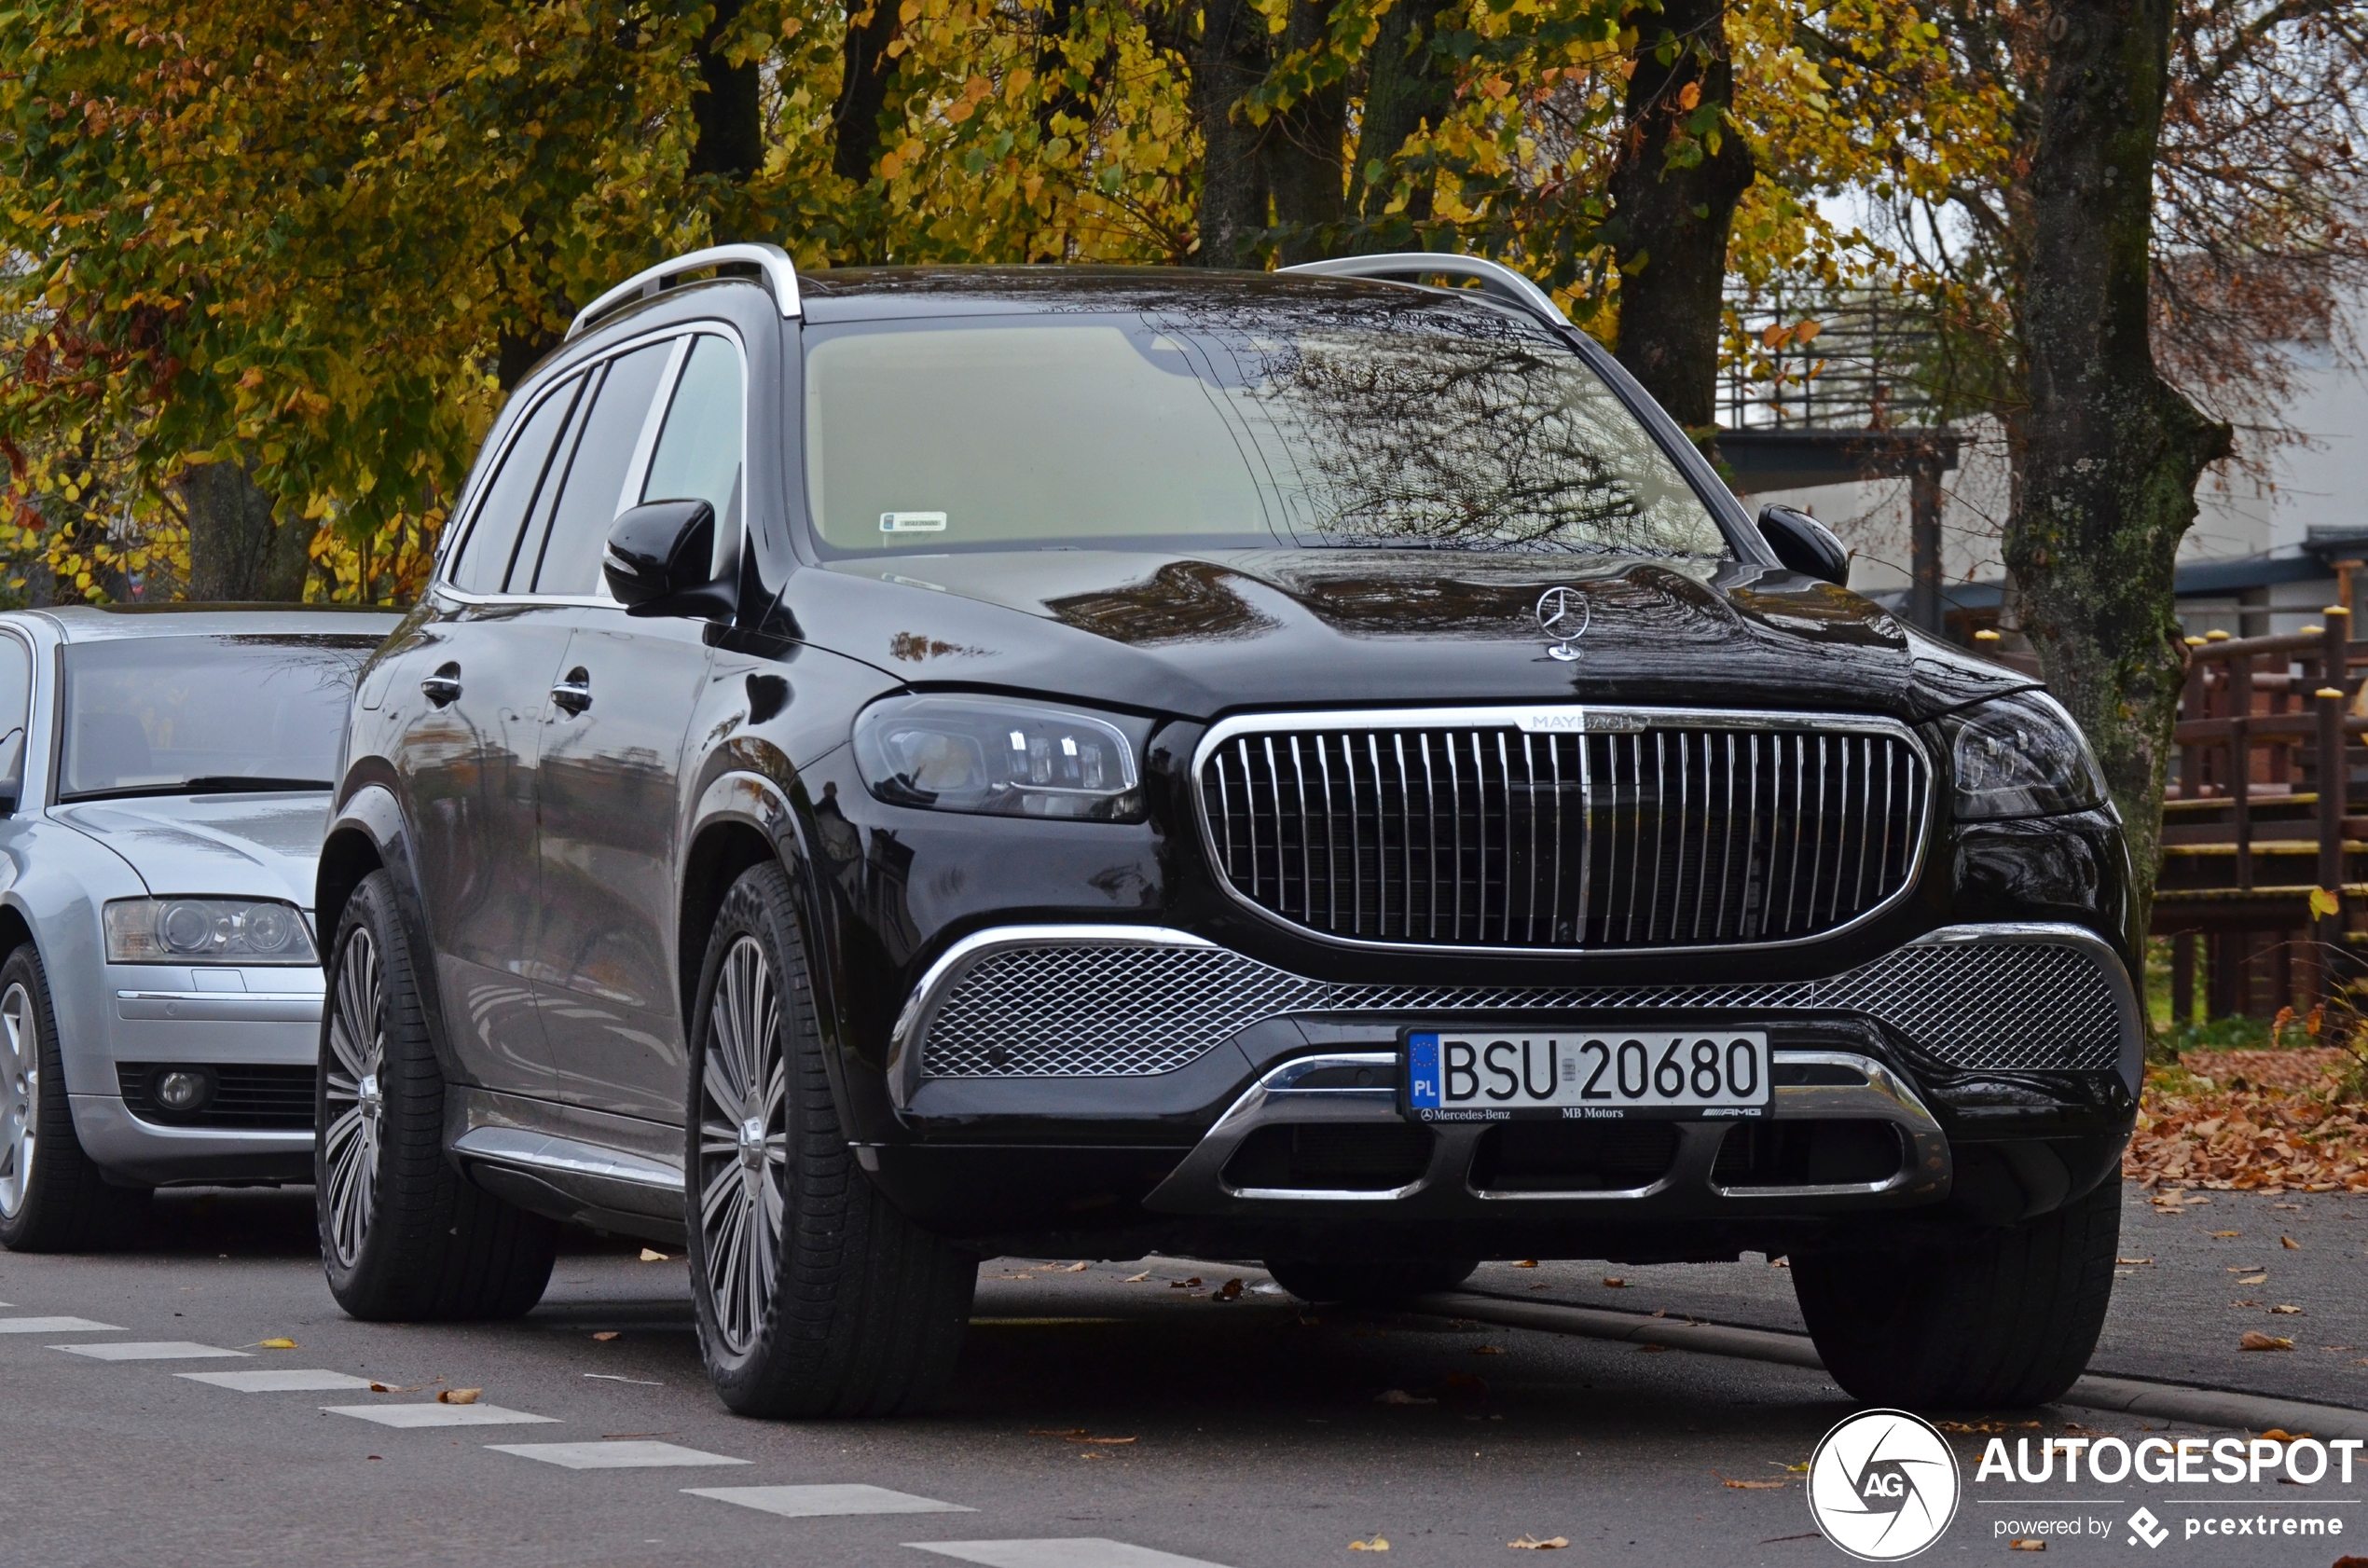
[999, 758]
[206, 932]
[2020, 756]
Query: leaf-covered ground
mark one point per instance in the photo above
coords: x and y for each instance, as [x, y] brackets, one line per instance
[2250, 1120]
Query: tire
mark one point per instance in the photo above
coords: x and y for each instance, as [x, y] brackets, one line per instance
[403, 1237]
[2004, 1319]
[1361, 1284]
[52, 1198]
[814, 1296]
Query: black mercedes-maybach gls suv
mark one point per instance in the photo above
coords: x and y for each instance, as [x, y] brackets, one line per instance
[900, 765]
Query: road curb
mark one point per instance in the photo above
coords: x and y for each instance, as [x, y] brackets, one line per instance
[2203, 1407]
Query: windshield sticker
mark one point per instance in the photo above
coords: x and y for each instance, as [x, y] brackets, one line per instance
[912, 522]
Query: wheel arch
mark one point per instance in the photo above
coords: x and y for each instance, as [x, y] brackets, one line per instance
[365, 834]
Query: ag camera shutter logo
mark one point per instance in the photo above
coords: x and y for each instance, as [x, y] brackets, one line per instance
[1883, 1485]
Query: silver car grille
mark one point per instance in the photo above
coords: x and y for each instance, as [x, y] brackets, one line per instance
[1126, 1010]
[1662, 830]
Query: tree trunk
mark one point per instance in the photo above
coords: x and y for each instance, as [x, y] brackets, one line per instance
[730, 119]
[863, 87]
[1234, 59]
[238, 554]
[1307, 150]
[2110, 455]
[1670, 215]
[1407, 89]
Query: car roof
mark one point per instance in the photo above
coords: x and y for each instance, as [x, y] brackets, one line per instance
[841, 294]
[98, 623]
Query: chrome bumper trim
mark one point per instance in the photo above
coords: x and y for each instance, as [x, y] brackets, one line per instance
[1197, 1186]
[543, 1152]
[222, 1007]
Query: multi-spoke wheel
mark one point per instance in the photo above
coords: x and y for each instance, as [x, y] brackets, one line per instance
[52, 1198]
[350, 1088]
[402, 1235]
[744, 1144]
[814, 1295]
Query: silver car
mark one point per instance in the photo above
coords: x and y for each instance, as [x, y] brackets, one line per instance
[164, 775]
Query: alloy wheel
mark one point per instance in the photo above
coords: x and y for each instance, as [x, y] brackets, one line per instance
[744, 1151]
[356, 1100]
[20, 1094]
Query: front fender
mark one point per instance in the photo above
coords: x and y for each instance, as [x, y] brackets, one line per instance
[367, 832]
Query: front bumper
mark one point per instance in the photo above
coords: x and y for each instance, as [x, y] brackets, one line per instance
[1037, 1071]
[144, 1153]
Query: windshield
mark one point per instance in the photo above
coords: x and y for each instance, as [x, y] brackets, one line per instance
[1456, 428]
[177, 715]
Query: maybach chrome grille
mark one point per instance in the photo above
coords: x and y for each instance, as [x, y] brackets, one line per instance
[1639, 830]
[1124, 1009]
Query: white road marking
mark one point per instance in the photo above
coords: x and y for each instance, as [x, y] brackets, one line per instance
[277, 1379]
[817, 1502]
[1073, 1552]
[438, 1415]
[55, 1325]
[612, 1456]
[151, 1349]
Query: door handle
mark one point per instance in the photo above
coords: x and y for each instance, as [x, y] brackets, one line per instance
[443, 688]
[574, 694]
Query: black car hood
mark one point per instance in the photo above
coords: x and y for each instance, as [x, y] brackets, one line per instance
[1191, 636]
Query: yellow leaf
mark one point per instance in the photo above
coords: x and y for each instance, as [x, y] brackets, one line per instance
[276, 1344]
[650, 1256]
[1376, 1543]
[2325, 902]
[1690, 96]
[458, 1396]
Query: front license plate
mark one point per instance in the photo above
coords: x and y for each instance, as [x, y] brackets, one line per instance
[1578, 1075]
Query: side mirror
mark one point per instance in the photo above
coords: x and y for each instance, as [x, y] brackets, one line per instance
[1805, 545]
[657, 560]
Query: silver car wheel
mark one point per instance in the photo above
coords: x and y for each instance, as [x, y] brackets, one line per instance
[744, 1146]
[20, 1095]
[356, 1100]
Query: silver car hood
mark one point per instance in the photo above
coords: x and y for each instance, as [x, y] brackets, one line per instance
[260, 847]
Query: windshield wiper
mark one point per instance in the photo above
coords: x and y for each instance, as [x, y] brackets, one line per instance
[204, 784]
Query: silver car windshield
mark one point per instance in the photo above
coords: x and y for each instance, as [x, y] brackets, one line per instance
[183, 715]
[1163, 429]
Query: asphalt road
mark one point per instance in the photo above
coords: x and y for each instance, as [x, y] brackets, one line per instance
[1262, 1434]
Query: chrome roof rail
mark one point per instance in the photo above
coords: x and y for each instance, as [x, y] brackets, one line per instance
[771, 261]
[1408, 267]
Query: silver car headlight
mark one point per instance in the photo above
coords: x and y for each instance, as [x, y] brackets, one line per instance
[207, 931]
[2020, 756]
[998, 757]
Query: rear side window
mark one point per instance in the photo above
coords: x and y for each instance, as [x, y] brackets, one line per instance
[570, 561]
[484, 561]
[698, 453]
[16, 702]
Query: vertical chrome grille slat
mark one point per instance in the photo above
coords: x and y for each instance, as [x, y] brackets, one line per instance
[1663, 833]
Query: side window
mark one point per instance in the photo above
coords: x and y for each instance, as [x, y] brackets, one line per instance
[16, 703]
[698, 453]
[568, 560]
[484, 561]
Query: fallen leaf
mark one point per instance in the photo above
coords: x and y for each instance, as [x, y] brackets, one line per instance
[1649, 1349]
[1073, 1269]
[2279, 1435]
[2253, 1339]
[1184, 1284]
[605, 1335]
[1093, 1453]
[613, 1436]
[2289, 1243]
[1531, 1543]
[275, 1345]
[2249, 1269]
[2026, 1542]
[1612, 1283]
[1376, 1543]
[457, 1395]
[1488, 1350]
[1526, 1263]
[2254, 1279]
[1979, 1428]
[2283, 1310]
[1753, 1486]
[650, 1255]
[2223, 1235]
[1136, 1279]
[2133, 1262]
[1074, 1438]
[1780, 1262]
[383, 1388]
[1057, 1431]
[1231, 1291]
[1399, 1397]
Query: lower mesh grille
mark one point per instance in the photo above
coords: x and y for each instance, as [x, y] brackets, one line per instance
[257, 1097]
[1129, 1010]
